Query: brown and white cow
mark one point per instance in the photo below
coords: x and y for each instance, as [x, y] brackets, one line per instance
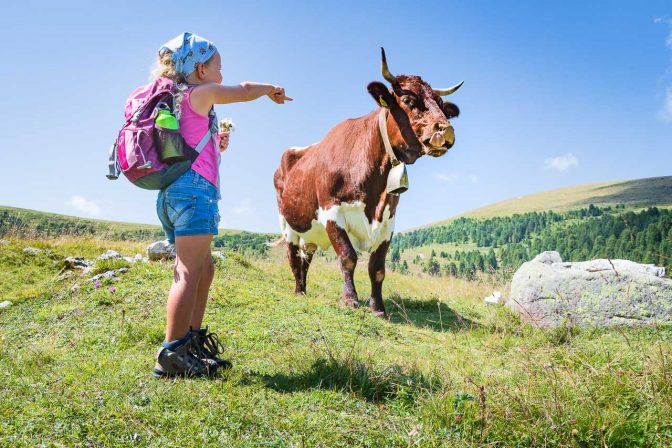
[333, 193]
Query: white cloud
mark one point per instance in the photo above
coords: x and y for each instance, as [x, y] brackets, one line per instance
[447, 177]
[244, 207]
[83, 205]
[561, 163]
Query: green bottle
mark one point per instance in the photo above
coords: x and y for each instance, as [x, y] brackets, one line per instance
[168, 138]
[167, 120]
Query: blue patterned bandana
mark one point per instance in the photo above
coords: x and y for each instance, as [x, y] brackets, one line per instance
[189, 50]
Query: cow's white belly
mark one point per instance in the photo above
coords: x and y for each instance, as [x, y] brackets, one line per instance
[363, 235]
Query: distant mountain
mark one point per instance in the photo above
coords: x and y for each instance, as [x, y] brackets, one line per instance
[633, 194]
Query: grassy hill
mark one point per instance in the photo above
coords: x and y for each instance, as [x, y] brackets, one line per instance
[23, 222]
[446, 370]
[638, 193]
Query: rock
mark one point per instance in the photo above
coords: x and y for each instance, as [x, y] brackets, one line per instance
[161, 250]
[75, 287]
[106, 274]
[32, 250]
[110, 255]
[597, 293]
[109, 274]
[494, 298]
[5, 304]
[63, 276]
[548, 257]
[620, 266]
[76, 263]
[4, 243]
[138, 258]
[218, 254]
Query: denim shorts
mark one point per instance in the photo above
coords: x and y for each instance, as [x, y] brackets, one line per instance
[188, 206]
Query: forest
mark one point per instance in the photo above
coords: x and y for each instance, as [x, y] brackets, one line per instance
[504, 243]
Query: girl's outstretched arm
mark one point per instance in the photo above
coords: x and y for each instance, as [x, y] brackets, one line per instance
[205, 96]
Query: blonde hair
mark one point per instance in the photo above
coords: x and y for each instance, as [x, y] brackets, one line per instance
[164, 66]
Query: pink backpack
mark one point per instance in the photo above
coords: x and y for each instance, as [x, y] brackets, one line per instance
[138, 147]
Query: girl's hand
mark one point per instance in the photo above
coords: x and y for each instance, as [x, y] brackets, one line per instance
[224, 140]
[277, 95]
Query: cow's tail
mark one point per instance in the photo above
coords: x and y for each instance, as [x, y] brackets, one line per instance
[277, 243]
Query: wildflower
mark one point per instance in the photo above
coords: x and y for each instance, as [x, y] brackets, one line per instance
[96, 283]
[112, 289]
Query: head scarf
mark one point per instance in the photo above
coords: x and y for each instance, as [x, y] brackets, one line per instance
[188, 50]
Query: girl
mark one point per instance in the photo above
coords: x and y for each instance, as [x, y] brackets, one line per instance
[188, 209]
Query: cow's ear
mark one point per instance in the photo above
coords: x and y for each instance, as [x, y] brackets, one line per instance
[381, 94]
[450, 110]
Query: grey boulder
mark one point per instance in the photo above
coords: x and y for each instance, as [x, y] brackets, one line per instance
[547, 292]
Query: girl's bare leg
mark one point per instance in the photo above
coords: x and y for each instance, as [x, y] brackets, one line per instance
[190, 263]
[207, 276]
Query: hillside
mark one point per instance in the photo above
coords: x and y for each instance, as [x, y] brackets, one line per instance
[24, 222]
[637, 193]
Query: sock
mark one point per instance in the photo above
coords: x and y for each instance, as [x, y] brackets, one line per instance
[172, 345]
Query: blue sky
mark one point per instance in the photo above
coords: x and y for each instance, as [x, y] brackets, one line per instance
[555, 94]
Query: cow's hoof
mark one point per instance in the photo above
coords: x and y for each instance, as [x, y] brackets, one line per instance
[381, 314]
[300, 293]
[351, 303]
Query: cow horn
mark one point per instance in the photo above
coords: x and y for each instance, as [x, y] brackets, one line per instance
[386, 71]
[448, 91]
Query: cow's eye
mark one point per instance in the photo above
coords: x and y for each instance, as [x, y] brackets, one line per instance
[409, 101]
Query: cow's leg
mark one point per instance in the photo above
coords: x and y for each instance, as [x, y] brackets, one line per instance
[306, 258]
[377, 275]
[295, 263]
[348, 260]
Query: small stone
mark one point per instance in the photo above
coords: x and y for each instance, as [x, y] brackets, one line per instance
[106, 274]
[121, 270]
[4, 243]
[5, 304]
[75, 287]
[110, 254]
[494, 298]
[32, 250]
[64, 275]
[220, 255]
[161, 250]
[76, 263]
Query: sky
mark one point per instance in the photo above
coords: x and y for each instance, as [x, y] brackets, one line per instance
[556, 93]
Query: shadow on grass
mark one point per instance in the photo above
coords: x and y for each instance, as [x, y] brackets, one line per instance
[358, 377]
[429, 313]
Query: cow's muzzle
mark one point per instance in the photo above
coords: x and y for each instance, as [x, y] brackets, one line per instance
[439, 142]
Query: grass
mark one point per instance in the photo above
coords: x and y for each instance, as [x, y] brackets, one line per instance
[445, 370]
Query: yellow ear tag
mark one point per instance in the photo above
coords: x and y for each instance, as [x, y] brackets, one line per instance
[382, 101]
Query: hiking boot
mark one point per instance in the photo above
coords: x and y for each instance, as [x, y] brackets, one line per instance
[211, 347]
[185, 360]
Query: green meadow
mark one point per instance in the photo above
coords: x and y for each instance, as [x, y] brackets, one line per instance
[445, 370]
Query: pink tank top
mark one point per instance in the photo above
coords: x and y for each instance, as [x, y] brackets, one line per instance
[193, 126]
